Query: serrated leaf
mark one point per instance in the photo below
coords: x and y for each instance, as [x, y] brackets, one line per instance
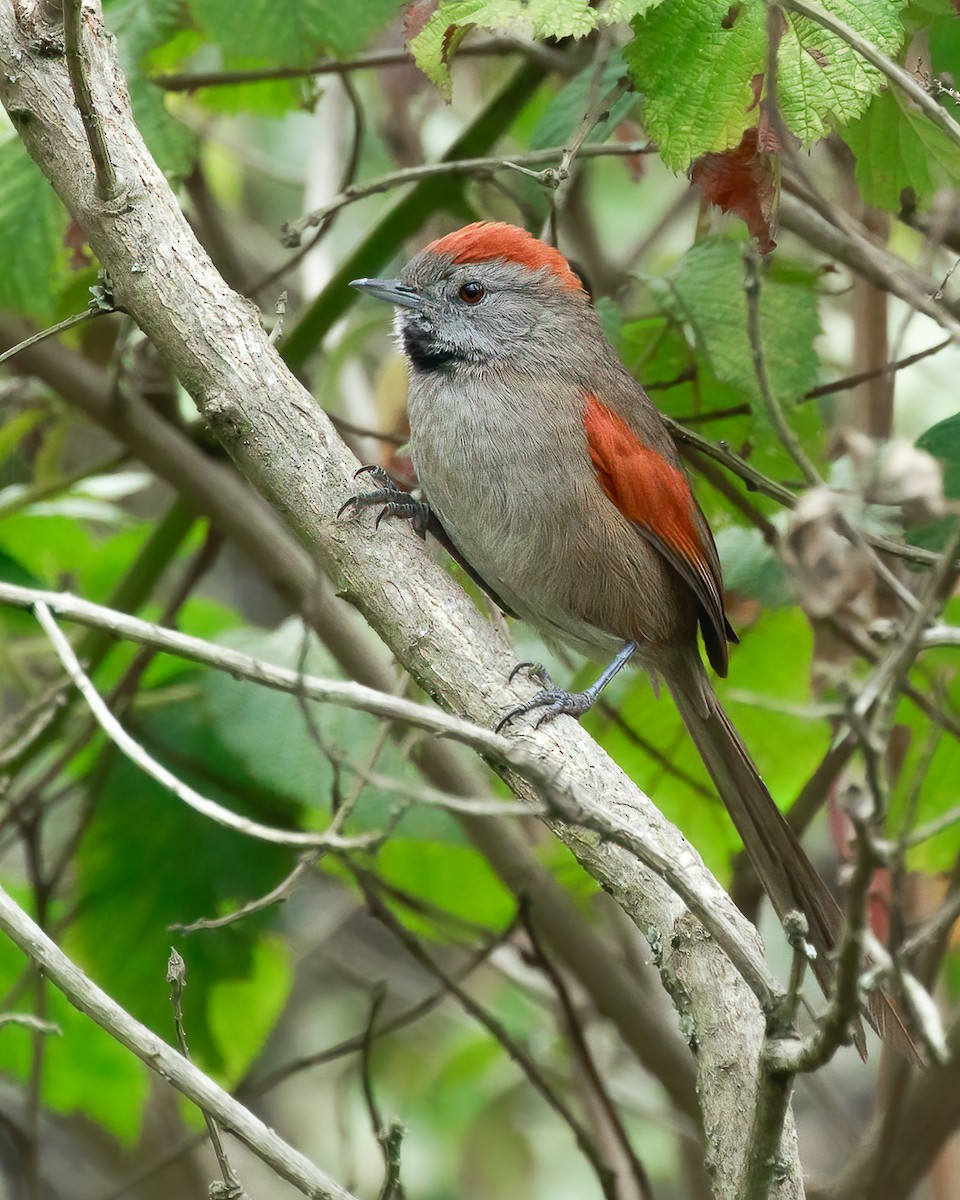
[292, 31]
[433, 45]
[823, 82]
[696, 61]
[32, 226]
[897, 147]
[696, 74]
[708, 288]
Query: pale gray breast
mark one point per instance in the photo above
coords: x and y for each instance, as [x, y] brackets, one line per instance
[511, 489]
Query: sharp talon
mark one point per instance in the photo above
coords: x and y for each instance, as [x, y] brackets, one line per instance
[517, 669]
[556, 702]
[345, 505]
[536, 671]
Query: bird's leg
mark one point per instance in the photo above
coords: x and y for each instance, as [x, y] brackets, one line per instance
[556, 701]
[396, 502]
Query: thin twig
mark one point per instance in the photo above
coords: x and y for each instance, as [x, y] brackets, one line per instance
[250, 1090]
[32, 1022]
[407, 1017]
[109, 186]
[84, 994]
[833, 1028]
[389, 1135]
[88, 314]
[895, 665]
[789, 440]
[375, 60]
[511, 752]
[347, 178]
[274, 896]
[561, 177]
[497, 1030]
[294, 230]
[890, 368]
[177, 978]
[138, 755]
[581, 1047]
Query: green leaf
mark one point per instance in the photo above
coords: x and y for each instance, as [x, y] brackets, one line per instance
[433, 45]
[242, 1012]
[292, 31]
[696, 74]
[81, 1054]
[457, 879]
[707, 290]
[943, 442]
[140, 29]
[897, 147]
[47, 547]
[697, 62]
[32, 227]
[266, 98]
[246, 718]
[566, 109]
[752, 568]
[822, 81]
[178, 867]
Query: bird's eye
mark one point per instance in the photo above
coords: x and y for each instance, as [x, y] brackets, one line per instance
[472, 293]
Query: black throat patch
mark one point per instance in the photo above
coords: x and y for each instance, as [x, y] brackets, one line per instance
[422, 349]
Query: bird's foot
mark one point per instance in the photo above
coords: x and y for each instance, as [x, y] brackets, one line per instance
[554, 701]
[394, 500]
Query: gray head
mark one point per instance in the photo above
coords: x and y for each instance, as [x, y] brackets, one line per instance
[489, 293]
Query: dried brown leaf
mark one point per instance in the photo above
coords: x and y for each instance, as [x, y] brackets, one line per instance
[829, 575]
[744, 181]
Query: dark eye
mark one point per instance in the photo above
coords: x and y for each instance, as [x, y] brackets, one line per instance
[472, 293]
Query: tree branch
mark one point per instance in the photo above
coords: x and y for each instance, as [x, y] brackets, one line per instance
[215, 489]
[284, 445]
[84, 995]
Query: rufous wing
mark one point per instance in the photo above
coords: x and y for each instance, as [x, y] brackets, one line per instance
[654, 494]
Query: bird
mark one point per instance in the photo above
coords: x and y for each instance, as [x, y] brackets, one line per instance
[549, 472]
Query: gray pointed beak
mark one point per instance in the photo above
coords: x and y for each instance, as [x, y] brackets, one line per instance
[391, 290]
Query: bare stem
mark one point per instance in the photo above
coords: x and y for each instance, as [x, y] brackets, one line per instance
[109, 186]
[177, 978]
[294, 231]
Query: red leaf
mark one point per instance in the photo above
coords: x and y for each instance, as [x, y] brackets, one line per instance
[745, 181]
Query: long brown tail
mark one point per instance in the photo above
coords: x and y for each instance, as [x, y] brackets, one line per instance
[785, 872]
